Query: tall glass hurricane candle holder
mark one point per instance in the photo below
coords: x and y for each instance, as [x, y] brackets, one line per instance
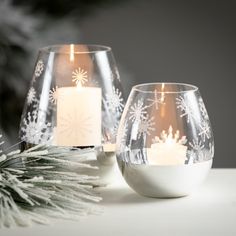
[165, 143]
[75, 99]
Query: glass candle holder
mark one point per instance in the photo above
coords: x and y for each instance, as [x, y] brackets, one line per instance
[165, 143]
[75, 99]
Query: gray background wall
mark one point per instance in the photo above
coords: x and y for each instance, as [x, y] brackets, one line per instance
[182, 41]
[163, 40]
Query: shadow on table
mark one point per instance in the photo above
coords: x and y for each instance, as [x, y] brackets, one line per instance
[127, 196]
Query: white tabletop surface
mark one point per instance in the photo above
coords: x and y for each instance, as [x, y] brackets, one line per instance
[211, 210]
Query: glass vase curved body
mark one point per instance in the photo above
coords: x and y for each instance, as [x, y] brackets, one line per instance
[75, 98]
[165, 143]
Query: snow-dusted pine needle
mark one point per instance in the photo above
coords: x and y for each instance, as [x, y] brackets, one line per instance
[38, 184]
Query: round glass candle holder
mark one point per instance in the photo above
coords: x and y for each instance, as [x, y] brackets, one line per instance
[75, 99]
[165, 142]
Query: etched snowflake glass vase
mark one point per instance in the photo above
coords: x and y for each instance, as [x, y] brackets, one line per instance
[165, 143]
[75, 98]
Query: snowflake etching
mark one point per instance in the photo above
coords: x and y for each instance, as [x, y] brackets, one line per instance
[146, 126]
[205, 131]
[199, 151]
[31, 96]
[211, 147]
[35, 104]
[79, 76]
[138, 158]
[122, 143]
[39, 68]
[184, 107]
[34, 131]
[168, 137]
[124, 131]
[114, 101]
[112, 75]
[114, 130]
[115, 74]
[137, 111]
[1, 143]
[203, 109]
[195, 157]
[196, 145]
[53, 95]
[156, 100]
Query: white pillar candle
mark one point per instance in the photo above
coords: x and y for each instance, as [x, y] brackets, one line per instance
[79, 116]
[168, 150]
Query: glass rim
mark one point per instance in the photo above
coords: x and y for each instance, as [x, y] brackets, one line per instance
[96, 48]
[191, 88]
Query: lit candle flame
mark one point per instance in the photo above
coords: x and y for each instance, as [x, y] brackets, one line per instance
[162, 100]
[72, 51]
[162, 92]
[72, 58]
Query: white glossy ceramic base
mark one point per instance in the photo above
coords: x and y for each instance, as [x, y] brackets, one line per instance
[165, 181]
[107, 168]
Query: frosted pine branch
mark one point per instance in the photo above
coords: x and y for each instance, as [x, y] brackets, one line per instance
[38, 184]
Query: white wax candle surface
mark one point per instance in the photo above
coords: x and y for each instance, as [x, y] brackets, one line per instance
[79, 116]
[167, 150]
